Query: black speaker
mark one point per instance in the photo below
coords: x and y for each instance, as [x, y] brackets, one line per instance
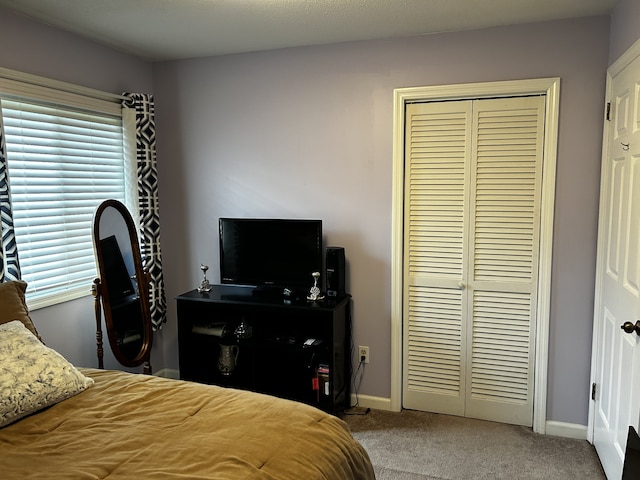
[334, 269]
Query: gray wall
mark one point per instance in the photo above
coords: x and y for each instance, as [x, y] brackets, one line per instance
[625, 28]
[38, 49]
[307, 132]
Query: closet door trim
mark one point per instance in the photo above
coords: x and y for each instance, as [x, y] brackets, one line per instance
[550, 87]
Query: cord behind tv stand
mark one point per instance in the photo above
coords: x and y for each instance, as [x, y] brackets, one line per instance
[297, 349]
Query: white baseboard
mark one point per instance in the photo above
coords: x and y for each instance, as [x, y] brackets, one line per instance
[557, 429]
[567, 430]
[168, 373]
[378, 403]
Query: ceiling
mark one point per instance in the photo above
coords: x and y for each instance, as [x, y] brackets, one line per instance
[158, 30]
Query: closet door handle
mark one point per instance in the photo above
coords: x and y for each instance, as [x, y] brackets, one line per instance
[462, 286]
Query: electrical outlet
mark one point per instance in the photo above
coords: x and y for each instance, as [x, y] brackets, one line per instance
[363, 354]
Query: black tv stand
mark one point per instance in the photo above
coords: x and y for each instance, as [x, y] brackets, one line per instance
[297, 349]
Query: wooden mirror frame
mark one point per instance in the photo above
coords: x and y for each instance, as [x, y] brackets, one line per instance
[101, 293]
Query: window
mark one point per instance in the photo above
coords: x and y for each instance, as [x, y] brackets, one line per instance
[64, 157]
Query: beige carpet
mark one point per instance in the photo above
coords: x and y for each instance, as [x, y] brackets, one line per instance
[413, 445]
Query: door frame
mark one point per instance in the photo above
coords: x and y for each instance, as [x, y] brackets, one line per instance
[550, 87]
[618, 66]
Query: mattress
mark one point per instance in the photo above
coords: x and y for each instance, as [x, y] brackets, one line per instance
[131, 426]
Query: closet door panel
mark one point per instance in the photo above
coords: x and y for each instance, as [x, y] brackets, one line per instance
[436, 196]
[506, 180]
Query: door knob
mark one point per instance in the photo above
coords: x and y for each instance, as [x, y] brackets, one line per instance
[462, 286]
[629, 327]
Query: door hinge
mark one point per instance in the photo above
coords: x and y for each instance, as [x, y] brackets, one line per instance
[609, 111]
[593, 391]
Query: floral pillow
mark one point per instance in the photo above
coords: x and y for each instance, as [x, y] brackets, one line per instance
[32, 375]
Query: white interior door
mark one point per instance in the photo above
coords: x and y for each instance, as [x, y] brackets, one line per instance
[617, 353]
[472, 215]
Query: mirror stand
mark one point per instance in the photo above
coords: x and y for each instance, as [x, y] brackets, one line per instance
[122, 289]
[97, 306]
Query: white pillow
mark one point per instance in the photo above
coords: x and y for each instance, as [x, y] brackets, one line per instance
[32, 375]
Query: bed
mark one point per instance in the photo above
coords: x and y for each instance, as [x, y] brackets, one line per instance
[62, 422]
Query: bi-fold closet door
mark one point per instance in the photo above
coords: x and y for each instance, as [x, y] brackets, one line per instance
[473, 173]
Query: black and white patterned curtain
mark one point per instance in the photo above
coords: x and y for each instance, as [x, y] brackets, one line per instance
[9, 265]
[148, 207]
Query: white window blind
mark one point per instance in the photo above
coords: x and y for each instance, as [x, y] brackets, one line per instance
[62, 162]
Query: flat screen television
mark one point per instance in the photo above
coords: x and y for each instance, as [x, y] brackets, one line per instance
[274, 253]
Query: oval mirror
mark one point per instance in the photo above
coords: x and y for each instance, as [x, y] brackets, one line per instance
[122, 288]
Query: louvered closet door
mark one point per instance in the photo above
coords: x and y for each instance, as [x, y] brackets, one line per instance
[473, 182]
[437, 165]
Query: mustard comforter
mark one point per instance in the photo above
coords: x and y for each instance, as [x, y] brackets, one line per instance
[130, 426]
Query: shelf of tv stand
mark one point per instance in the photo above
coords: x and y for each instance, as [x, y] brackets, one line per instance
[274, 360]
